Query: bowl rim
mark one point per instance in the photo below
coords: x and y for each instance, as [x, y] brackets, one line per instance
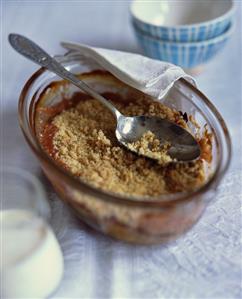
[226, 15]
[162, 201]
[210, 41]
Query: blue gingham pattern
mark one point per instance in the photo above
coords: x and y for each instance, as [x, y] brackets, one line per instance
[189, 33]
[186, 55]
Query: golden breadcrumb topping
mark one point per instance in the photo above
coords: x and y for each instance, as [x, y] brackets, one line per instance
[148, 145]
[83, 141]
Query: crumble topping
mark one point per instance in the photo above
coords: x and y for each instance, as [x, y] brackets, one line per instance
[148, 145]
[83, 141]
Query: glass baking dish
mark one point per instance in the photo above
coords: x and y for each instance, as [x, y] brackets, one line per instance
[158, 220]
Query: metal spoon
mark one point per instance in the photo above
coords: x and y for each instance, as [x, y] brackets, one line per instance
[129, 129]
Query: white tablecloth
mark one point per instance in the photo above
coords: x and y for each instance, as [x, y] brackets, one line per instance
[206, 262]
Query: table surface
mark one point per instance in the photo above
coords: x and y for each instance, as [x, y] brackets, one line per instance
[206, 262]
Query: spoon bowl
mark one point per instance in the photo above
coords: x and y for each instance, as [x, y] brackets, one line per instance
[184, 146]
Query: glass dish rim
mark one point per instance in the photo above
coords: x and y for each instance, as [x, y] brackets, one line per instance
[161, 201]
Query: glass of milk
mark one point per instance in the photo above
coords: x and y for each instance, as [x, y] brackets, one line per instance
[31, 264]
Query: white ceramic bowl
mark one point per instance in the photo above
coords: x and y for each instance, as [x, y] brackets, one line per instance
[183, 21]
[186, 55]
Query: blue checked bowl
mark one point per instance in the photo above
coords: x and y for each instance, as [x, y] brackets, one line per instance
[183, 21]
[186, 55]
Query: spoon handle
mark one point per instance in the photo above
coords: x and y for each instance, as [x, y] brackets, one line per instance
[32, 51]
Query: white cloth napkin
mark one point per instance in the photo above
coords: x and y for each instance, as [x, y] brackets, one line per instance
[150, 76]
